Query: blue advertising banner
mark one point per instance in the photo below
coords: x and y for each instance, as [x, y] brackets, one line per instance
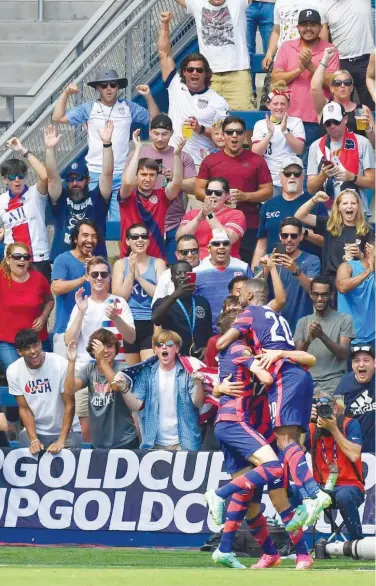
[119, 491]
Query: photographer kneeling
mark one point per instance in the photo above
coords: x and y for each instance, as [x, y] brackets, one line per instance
[335, 443]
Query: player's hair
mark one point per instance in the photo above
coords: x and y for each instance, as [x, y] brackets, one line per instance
[322, 281]
[335, 222]
[228, 319]
[25, 338]
[165, 335]
[186, 237]
[230, 301]
[291, 221]
[106, 337]
[139, 225]
[4, 266]
[237, 279]
[97, 260]
[76, 230]
[13, 167]
[196, 57]
[225, 184]
[232, 119]
[259, 287]
[147, 163]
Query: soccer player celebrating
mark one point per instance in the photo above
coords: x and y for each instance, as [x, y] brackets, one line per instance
[290, 396]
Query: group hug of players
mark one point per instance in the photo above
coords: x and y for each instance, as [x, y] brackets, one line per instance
[263, 414]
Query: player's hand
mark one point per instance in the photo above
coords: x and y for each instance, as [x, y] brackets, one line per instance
[82, 300]
[56, 447]
[36, 446]
[268, 357]
[315, 330]
[105, 134]
[51, 138]
[233, 389]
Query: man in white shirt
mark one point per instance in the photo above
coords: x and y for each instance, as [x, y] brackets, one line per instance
[351, 30]
[96, 113]
[37, 381]
[286, 13]
[192, 103]
[23, 208]
[222, 38]
[100, 310]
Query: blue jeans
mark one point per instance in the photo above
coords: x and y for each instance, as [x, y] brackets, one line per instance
[347, 499]
[114, 211]
[170, 244]
[259, 14]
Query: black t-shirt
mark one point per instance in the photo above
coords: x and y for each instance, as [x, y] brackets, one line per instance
[177, 322]
[360, 404]
[3, 437]
[334, 246]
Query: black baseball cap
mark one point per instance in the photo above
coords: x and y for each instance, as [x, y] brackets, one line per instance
[161, 121]
[309, 15]
[368, 348]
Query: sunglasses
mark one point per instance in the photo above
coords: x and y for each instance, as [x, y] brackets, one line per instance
[186, 251]
[138, 236]
[355, 349]
[285, 235]
[76, 178]
[292, 173]
[20, 256]
[317, 295]
[192, 69]
[339, 82]
[330, 122]
[17, 175]
[95, 274]
[216, 192]
[168, 343]
[112, 84]
[216, 243]
[232, 132]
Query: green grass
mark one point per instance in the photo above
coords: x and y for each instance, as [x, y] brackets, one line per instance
[42, 566]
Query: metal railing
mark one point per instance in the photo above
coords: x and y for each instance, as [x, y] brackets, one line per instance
[128, 44]
[100, 19]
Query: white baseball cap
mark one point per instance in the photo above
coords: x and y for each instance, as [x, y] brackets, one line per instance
[291, 160]
[333, 111]
[219, 236]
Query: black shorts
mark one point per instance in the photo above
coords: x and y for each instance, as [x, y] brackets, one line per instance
[144, 334]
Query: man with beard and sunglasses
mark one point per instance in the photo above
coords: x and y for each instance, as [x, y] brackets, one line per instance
[247, 174]
[285, 205]
[341, 159]
[296, 270]
[95, 114]
[193, 105]
[75, 202]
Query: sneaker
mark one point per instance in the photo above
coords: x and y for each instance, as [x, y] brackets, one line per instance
[303, 562]
[298, 520]
[315, 507]
[267, 561]
[216, 505]
[227, 559]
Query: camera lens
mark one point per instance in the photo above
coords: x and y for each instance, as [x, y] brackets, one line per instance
[324, 411]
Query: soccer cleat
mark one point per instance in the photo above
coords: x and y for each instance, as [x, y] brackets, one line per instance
[298, 520]
[227, 559]
[267, 561]
[216, 505]
[315, 507]
[303, 562]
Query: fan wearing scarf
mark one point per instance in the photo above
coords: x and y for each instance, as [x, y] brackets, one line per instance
[341, 159]
[279, 135]
[140, 202]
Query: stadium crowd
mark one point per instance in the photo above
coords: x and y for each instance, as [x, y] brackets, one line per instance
[247, 257]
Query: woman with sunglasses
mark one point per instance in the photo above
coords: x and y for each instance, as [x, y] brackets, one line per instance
[345, 231]
[279, 135]
[214, 215]
[135, 278]
[341, 87]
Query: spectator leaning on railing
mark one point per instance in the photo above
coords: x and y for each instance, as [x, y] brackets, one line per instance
[96, 113]
[75, 202]
[222, 39]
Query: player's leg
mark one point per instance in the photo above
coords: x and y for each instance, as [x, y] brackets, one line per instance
[258, 528]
